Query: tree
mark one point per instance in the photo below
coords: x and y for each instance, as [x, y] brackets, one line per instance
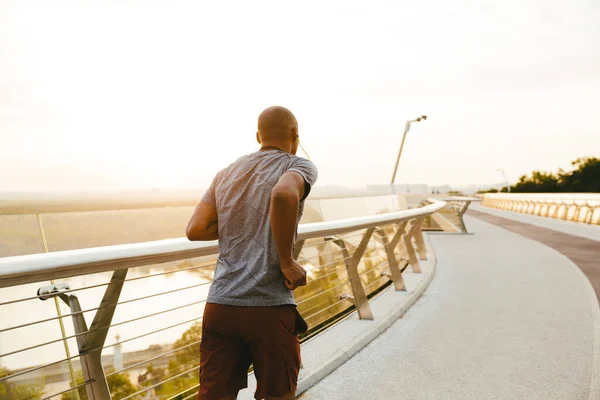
[584, 178]
[190, 353]
[488, 191]
[119, 384]
[152, 376]
[539, 182]
[13, 391]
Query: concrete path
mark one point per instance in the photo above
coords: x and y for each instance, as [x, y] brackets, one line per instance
[506, 317]
[584, 252]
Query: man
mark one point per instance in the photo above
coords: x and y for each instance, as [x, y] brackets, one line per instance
[253, 207]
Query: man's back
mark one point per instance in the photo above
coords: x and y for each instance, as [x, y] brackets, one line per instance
[250, 317]
[248, 271]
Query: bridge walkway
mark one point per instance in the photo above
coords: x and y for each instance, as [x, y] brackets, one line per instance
[506, 317]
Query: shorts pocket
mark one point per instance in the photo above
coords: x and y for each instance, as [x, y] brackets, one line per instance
[301, 325]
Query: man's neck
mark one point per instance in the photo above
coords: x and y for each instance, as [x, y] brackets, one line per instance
[270, 147]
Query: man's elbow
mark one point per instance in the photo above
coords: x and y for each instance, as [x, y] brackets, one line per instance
[190, 234]
[285, 195]
[193, 233]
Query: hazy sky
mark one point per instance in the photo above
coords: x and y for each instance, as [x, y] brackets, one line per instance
[139, 94]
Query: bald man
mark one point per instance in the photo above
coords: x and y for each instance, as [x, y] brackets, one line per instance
[253, 207]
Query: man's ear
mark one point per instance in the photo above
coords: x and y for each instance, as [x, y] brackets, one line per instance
[258, 138]
[295, 134]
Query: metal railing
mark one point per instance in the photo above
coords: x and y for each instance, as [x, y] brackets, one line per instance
[154, 292]
[578, 207]
[450, 218]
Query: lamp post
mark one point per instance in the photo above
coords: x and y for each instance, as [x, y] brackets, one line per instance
[505, 178]
[406, 129]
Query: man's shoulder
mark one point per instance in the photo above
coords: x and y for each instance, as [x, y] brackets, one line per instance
[303, 161]
[302, 164]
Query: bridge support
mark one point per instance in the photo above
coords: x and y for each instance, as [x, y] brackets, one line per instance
[408, 246]
[421, 250]
[359, 296]
[91, 341]
[390, 247]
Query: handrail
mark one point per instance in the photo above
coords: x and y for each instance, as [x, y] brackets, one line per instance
[456, 198]
[545, 196]
[25, 269]
[579, 207]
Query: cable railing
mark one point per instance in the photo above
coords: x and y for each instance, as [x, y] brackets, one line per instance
[577, 207]
[154, 315]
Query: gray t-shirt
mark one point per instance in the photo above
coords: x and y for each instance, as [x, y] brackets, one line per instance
[248, 271]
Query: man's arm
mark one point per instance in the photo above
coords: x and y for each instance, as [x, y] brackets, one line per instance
[203, 225]
[285, 200]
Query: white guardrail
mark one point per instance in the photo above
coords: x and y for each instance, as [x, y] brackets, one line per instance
[578, 207]
[158, 311]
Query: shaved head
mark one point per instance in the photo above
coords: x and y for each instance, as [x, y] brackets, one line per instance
[278, 129]
[275, 123]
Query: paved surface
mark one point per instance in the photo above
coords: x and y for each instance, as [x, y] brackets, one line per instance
[324, 353]
[585, 253]
[505, 317]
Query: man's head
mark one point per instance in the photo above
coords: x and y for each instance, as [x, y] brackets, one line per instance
[278, 127]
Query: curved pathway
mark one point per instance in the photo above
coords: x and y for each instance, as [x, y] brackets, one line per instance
[506, 317]
[563, 236]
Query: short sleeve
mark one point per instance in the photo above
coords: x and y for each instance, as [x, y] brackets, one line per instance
[308, 171]
[210, 196]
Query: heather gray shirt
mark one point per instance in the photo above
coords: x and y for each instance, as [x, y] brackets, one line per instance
[248, 271]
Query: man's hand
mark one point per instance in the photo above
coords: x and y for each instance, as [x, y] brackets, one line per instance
[295, 274]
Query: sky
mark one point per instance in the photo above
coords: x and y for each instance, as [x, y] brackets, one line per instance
[117, 95]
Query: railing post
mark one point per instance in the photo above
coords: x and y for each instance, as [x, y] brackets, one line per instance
[548, 205]
[408, 246]
[90, 341]
[579, 210]
[91, 362]
[358, 291]
[460, 213]
[390, 247]
[567, 211]
[421, 250]
[564, 209]
[590, 219]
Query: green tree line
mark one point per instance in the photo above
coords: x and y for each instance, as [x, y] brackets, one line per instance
[583, 178]
[13, 391]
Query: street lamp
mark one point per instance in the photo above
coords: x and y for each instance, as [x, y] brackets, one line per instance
[406, 129]
[505, 178]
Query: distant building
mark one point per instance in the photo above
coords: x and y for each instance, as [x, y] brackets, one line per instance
[118, 354]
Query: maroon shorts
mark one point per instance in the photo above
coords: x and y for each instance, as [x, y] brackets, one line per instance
[234, 337]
